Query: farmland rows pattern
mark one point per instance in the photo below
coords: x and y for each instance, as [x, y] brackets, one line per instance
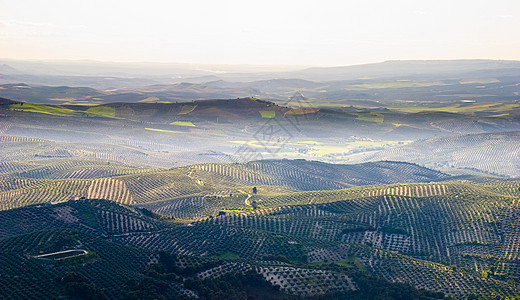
[122, 223]
[432, 276]
[110, 189]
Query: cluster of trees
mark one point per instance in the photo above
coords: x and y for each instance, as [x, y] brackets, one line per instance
[252, 285]
[236, 286]
[372, 287]
[148, 288]
[60, 240]
[168, 267]
[78, 286]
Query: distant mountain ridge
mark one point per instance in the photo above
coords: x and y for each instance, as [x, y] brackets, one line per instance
[404, 68]
[320, 83]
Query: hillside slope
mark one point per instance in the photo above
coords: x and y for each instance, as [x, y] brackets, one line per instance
[492, 153]
[26, 184]
[451, 237]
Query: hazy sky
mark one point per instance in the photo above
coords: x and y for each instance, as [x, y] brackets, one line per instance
[260, 32]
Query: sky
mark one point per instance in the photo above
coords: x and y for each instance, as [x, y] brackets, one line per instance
[310, 33]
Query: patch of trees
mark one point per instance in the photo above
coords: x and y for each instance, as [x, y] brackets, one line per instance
[236, 286]
[372, 287]
[78, 286]
[60, 240]
[148, 288]
[168, 268]
[149, 213]
[271, 257]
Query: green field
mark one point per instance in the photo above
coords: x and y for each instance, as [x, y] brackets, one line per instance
[183, 123]
[479, 81]
[186, 109]
[68, 99]
[96, 111]
[163, 130]
[150, 100]
[268, 114]
[45, 109]
[101, 111]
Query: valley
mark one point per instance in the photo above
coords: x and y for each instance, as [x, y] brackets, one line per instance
[400, 183]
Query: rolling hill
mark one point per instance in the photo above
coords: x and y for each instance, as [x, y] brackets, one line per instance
[140, 196]
[488, 153]
[455, 238]
[226, 182]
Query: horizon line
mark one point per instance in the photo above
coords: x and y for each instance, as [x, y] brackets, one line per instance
[88, 60]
